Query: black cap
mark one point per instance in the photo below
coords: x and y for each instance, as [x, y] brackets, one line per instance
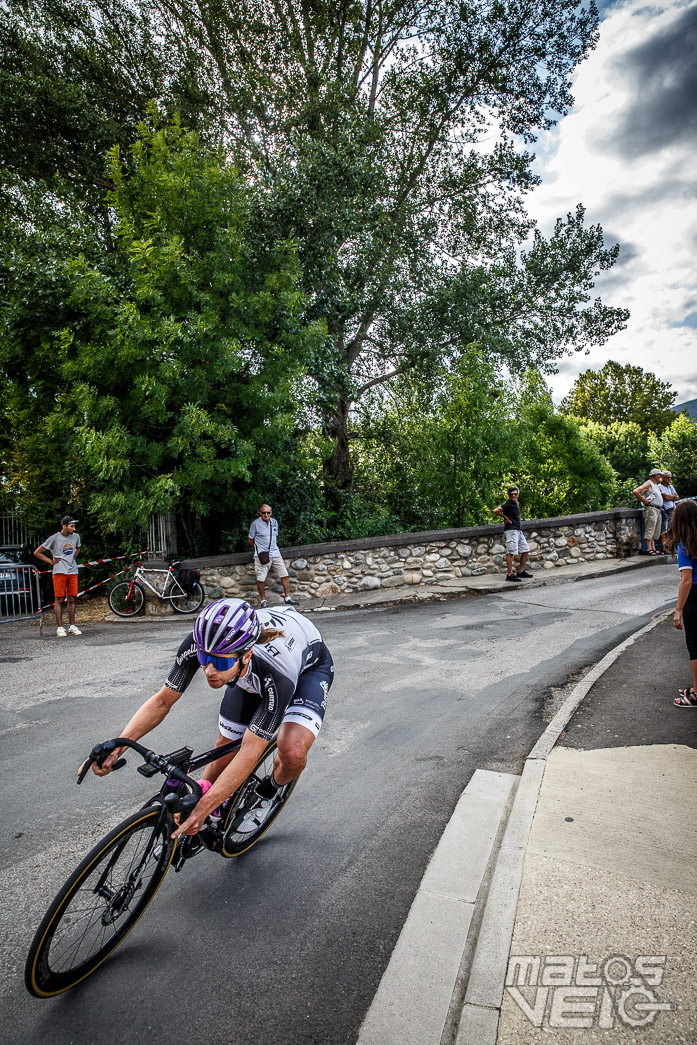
[67, 519]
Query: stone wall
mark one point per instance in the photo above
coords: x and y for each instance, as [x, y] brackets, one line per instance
[424, 558]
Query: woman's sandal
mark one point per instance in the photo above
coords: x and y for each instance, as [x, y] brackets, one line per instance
[687, 698]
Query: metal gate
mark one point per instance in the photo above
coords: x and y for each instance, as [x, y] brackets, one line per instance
[13, 532]
[20, 594]
[162, 534]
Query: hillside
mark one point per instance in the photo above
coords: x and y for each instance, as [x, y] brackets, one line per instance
[690, 408]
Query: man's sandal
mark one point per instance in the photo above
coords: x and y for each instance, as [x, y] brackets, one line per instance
[687, 698]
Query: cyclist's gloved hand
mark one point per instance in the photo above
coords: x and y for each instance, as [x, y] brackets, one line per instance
[106, 766]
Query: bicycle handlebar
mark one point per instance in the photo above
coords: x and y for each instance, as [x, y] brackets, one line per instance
[102, 751]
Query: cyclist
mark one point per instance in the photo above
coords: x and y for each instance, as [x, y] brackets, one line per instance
[276, 671]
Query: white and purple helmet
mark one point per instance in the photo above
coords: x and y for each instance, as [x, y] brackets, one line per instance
[227, 627]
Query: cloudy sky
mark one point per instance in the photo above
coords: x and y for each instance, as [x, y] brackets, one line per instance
[628, 152]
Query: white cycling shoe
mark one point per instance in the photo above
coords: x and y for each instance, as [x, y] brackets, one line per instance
[256, 817]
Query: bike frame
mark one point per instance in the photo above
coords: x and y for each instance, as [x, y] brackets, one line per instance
[170, 583]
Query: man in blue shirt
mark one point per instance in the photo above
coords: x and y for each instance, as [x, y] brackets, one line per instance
[263, 536]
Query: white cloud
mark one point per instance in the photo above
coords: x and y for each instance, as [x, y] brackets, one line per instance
[628, 152]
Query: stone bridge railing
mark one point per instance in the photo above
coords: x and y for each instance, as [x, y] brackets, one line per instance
[335, 567]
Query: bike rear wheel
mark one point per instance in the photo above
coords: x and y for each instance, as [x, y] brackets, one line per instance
[189, 601]
[235, 842]
[100, 903]
[126, 599]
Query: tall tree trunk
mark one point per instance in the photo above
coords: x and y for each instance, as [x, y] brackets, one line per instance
[339, 469]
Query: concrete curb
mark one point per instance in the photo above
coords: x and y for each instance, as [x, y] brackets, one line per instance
[483, 997]
[414, 998]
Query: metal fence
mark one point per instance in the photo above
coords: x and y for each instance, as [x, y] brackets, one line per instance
[20, 594]
[13, 532]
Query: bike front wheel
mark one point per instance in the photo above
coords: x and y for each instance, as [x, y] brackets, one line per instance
[189, 601]
[126, 599]
[236, 841]
[100, 903]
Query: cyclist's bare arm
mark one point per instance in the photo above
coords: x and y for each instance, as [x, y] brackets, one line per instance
[148, 715]
[251, 750]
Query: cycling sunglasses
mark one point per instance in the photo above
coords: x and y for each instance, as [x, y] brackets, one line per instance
[219, 663]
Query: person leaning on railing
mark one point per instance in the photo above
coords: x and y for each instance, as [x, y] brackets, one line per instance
[650, 496]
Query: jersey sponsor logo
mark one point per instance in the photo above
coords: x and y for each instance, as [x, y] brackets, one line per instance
[190, 652]
[270, 690]
[273, 650]
[290, 643]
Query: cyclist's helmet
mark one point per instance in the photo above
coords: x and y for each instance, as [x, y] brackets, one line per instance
[227, 627]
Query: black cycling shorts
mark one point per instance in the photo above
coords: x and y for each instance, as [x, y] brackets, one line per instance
[306, 707]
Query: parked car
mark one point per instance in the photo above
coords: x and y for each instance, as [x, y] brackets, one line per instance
[17, 586]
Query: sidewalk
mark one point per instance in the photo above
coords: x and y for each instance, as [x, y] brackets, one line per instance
[582, 870]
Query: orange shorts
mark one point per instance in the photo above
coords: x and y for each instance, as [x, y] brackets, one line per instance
[64, 584]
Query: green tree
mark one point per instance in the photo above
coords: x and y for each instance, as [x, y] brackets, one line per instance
[625, 444]
[431, 453]
[166, 373]
[382, 135]
[621, 393]
[562, 472]
[676, 449]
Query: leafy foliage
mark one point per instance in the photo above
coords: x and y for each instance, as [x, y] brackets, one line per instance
[562, 472]
[676, 449]
[433, 453]
[622, 393]
[625, 444]
[441, 454]
[365, 126]
[168, 370]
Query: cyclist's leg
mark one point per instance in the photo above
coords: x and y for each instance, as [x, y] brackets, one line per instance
[294, 742]
[303, 718]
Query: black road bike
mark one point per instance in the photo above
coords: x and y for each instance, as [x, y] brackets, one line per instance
[109, 891]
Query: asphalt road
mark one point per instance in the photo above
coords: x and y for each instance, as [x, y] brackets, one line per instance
[286, 945]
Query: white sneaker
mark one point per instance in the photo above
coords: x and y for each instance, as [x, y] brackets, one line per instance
[61, 633]
[74, 630]
[263, 604]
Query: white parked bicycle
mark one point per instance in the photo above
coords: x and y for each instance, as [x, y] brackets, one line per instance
[186, 594]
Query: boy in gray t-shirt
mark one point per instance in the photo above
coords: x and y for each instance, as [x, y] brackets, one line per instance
[63, 548]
